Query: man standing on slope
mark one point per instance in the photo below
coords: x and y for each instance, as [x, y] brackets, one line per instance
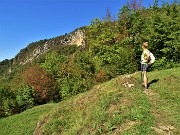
[144, 64]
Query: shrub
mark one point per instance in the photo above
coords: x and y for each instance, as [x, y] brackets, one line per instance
[101, 76]
[163, 63]
[25, 97]
[8, 104]
[42, 82]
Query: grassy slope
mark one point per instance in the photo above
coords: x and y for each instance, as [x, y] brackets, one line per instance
[109, 108]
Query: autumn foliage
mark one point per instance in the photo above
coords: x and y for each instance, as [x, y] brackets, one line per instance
[42, 83]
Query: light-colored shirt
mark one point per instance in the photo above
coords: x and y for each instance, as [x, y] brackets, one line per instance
[144, 59]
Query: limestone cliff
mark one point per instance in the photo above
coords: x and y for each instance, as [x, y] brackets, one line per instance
[76, 37]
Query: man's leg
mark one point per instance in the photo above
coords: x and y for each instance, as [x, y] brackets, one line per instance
[142, 78]
[145, 79]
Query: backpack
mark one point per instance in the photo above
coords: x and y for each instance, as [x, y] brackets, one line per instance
[152, 58]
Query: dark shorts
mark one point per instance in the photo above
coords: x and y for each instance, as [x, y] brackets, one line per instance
[144, 67]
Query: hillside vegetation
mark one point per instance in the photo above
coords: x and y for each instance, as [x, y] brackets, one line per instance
[57, 69]
[112, 107]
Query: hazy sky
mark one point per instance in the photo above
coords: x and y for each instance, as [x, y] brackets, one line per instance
[26, 21]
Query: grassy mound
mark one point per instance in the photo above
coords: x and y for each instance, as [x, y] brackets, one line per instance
[119, 106]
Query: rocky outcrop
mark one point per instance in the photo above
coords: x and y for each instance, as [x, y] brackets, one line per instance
[37, 52]
[76, 37]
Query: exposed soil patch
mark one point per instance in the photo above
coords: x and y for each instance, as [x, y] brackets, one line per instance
[150, 93]
[126, 81]
[125, 102]
[37, 130]
[124, 127]
[171, 78]
[164, 129]
[113, 107]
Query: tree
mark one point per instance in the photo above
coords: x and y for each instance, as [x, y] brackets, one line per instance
[134, 5]
[42, 82]
[52, 61]
[25, 97]
[8, 104]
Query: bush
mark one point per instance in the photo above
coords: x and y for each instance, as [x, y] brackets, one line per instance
[42, 82]
[114, 60]
[25, 97]
[163, 63]
[8, 104]
[101, 76]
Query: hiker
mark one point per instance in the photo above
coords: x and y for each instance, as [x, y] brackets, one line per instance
[144, 64]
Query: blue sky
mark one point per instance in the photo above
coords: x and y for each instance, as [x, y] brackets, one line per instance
[26, 21]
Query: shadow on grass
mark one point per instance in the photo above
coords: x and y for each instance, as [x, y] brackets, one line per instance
[153, 81]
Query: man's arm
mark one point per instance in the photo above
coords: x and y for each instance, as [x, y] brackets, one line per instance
[147, 56]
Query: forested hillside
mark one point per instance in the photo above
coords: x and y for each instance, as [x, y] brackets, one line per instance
[111, 47]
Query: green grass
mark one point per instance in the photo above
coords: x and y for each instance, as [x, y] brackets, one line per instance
[167, 99]
[109, 108]
[25, 122]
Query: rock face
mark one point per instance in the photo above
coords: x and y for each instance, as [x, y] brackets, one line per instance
[37, 52]
[76, 37]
